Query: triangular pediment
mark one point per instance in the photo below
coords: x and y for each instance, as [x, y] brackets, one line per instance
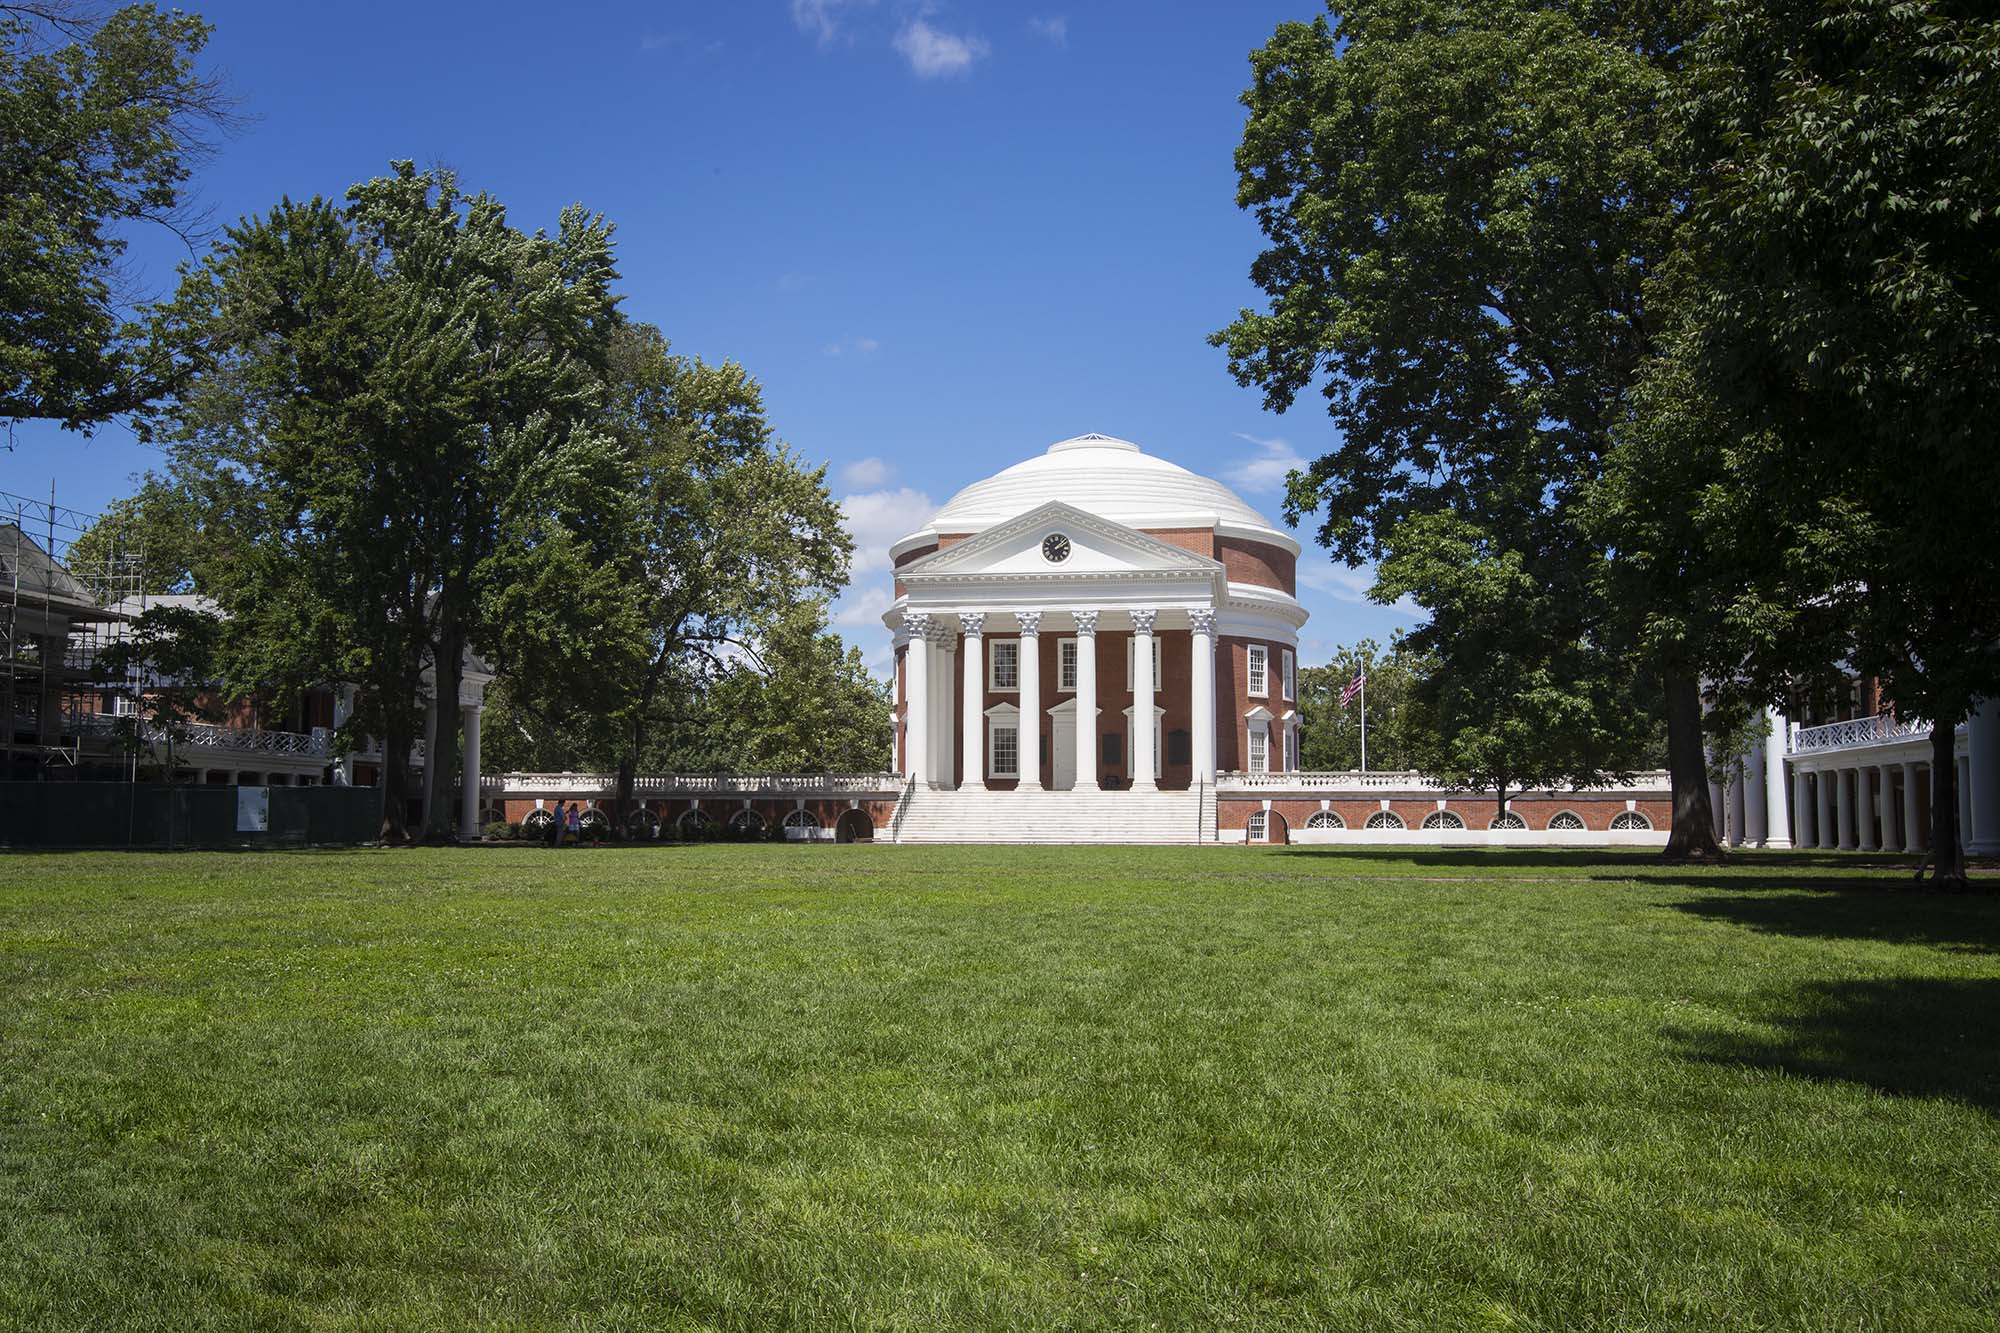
[1096, 546]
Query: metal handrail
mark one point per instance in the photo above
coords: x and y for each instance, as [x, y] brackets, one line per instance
[1858, 731]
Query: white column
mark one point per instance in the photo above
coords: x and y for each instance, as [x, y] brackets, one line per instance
[1964, 801]
[468, 820]
[916, 698]
[1031, 700]
[1718, 802]
[430, 752]
[1144, 776]
[1202, 715]
[1086, 701]
[1777, 832]
[1829, 835]
[343, 711]
[1802, 809]
[1913, 838]
[944, 658]
[1864, 807]
[1982, 736]
[1843, 804]
[972, 713]
[1738, 805]
[1755, 832]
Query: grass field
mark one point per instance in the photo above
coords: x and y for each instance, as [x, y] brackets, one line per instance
[757, 1087]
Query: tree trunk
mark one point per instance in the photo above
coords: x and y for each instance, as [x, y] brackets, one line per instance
[441, 764]
[1693, 835]
[1947, 858]
[395, 784]
[628, 766]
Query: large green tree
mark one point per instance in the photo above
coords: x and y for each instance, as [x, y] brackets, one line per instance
[1330, 737]
[102, 119]
[395, 403]
[1842, 310]
[1464, 200]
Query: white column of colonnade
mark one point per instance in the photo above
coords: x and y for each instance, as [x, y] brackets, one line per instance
[1144, 776]
[1982, 788]
[1802, 809]
[944, 655]
[1202, 716]
[1913, 837]
[1030, 738]
[1777, 830]
[1086, 701]
[1823, 824]
[972, 713]
[916, 697]
[1843, 805]
[1864, 808]
[468, 820]
[1735, 806]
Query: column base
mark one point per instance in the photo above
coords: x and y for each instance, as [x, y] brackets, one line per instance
[1144, 786]
[1084, 786]
[972, 786]
[1027, 786]
[1778, 844]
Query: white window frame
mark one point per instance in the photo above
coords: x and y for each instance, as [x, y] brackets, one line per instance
[1003, 717]
[1257, 671]
[1257, 752]
[1257, 828]
[1290, 677]
[1066, 657]
[1132, 661]
[993, 684]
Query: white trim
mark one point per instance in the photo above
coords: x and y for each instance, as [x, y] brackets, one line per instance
[1289, 680]
[1257, 670]
[1066, 644]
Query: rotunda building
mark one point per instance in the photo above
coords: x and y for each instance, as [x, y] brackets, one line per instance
[1095, 619]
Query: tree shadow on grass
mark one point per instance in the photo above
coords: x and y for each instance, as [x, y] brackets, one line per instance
[1906, 1036]
[1634, 862]
[1945, 920]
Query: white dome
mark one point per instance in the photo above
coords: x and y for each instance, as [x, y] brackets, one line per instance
[1108, 477]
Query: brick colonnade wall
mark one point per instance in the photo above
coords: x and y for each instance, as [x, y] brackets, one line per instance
[1596, 809]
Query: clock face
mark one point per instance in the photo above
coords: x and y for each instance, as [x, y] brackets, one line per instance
[1055, 548]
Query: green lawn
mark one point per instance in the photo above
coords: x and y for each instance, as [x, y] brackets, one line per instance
[757, 1087]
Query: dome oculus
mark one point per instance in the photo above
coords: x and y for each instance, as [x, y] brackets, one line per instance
[1055, 548]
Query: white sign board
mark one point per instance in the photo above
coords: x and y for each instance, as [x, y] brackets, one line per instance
[253, 809]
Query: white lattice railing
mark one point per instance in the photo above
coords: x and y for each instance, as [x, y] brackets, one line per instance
[1347, 782]
[694, 784]
[1858, 731]
[316, 744]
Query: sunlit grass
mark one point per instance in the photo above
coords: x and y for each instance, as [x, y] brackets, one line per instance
[944, 1087]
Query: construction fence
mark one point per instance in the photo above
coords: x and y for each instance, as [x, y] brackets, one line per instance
[153, 815]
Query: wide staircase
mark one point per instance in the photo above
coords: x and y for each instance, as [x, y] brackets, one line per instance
[925, 815]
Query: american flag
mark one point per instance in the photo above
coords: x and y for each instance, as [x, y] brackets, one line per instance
[1353, 688]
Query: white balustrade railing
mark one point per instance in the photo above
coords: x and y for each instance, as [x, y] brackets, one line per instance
[698, 785]
[316, 744]
[1378, 782]
[1858, 731]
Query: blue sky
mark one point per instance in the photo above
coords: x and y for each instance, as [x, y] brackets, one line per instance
[942, 235]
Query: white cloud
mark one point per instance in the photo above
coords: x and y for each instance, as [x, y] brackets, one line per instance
[1054, 30]
[660, 41]
[858, 346]
[1350, 585]
[933, 54]
[866, 474]
[1266, 469]
[820, 19]
[876, 519]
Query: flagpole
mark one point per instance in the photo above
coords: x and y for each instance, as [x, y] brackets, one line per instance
[1364, 719]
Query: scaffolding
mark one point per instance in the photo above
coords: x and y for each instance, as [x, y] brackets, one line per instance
[63, 600]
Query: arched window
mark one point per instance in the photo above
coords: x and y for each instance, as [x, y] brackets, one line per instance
[1507, 819]
[1385, 819]
[1325, 819]
[1258, 829]
[593, 820]
[695, 824]
[802, 819]
[642, 823]
[1440, 819]
[1630, 821]
[538, 821]
[1566, 821]
[746, 823]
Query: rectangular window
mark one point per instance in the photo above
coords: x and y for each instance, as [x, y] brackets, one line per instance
[1291, 669]
[1132, 656]
[1259, 755]
[1066, 664]
[1260, 670]
[1256, 829]
[1006, 668]
[1006, 762]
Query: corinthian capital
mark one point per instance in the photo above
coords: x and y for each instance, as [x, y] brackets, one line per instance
[1030, 621]
[972, 622]
[1202, 620]
[916, 624]
[1142, 621]
[1086, 624]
